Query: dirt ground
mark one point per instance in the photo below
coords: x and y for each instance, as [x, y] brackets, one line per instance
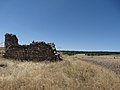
[108, 61]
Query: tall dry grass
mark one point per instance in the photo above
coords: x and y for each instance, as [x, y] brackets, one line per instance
[69, 74]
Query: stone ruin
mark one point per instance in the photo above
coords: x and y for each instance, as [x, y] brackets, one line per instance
[39, 51]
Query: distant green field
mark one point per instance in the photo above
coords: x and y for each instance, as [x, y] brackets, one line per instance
[88, 53]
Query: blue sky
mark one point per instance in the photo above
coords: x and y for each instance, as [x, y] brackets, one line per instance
[70, 24]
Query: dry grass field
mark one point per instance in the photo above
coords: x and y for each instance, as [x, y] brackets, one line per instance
[70, 74]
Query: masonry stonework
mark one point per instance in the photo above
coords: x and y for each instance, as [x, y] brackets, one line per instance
[34, 51]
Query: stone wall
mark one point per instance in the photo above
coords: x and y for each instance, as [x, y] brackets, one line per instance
[10, 40]
[35, 51]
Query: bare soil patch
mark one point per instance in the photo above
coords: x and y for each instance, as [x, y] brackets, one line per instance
[111, 62]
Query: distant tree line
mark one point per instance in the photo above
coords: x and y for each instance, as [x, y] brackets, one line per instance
[88, 53]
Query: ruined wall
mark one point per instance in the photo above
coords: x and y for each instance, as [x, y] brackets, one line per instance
[35, 51]
[10, 40]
